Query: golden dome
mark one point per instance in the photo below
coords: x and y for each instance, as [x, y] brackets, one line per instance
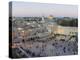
[50, 17]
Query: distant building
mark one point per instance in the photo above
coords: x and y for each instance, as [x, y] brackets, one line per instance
[66, 30]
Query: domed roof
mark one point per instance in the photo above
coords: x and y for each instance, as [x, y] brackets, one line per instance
[50, 16]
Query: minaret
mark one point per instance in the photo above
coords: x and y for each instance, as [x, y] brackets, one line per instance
[43, 21]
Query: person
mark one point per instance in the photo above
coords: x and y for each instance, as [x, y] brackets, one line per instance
[23, 40]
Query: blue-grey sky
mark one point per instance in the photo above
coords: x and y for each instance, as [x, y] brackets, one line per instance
[21, 9]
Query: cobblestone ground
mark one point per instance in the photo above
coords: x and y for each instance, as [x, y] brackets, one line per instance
[45, 48]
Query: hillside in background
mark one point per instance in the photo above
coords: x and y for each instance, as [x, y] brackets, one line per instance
[68, 22]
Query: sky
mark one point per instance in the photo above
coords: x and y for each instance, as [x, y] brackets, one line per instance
[28, 9]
